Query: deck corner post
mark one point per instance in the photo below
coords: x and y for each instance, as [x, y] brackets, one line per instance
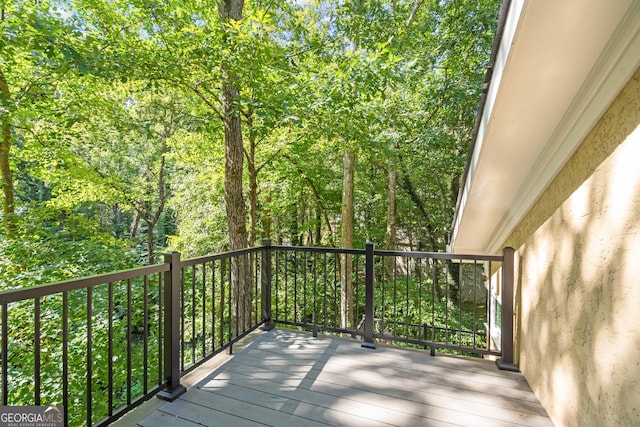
[172, 329]
[265, 283]
[368, 341]
[508, 280]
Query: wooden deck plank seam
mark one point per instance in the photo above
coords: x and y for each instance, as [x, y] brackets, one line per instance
[289, 377]
[467, 402]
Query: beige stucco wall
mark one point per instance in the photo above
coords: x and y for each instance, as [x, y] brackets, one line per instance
[578, 278]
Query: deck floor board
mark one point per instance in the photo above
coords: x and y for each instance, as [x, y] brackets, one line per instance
[287, 377]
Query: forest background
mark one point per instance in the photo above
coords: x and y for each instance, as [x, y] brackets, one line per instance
[131, 127]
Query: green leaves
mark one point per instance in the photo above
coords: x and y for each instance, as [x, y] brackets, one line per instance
[109, 96]
[117, 138]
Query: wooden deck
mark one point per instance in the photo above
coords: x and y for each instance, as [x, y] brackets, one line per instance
[289, 378]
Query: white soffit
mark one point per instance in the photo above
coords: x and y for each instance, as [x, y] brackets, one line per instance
[558, 67]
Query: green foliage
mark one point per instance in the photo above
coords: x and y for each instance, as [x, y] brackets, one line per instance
[117, 150]
[106, 82]
[52, 245]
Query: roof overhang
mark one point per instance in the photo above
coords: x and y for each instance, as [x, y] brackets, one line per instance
[557, 67]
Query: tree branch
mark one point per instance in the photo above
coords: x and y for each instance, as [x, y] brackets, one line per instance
[315, 193]
[408, 186]
[198, 93]
[413, 13]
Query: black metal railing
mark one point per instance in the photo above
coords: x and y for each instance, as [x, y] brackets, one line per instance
[67, 342]
[99, 346]
[306, 286]
[131, 335]
[434, 300]
[212, 317]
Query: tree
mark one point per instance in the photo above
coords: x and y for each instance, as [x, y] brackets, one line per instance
[126, 150]
[348, 184]
[274, 93]
[231, 12]
[8, 205]
[35, 50]
[392, 210]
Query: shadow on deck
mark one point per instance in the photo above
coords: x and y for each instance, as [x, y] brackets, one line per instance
[290, 378]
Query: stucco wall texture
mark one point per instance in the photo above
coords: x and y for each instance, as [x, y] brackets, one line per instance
[578, 278]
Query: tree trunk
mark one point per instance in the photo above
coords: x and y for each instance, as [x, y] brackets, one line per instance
[266, 217]
[253, 197]
[117, 221]
[407, 185]
[253, 182]
[318, 239]
[152, 218]
[234, 200]
[150, 246]
[293, 229]
[391, 232]
[346, 290]
[233, 194]
[135, 224]
[392, 183]
[6, 180]
[318, 199]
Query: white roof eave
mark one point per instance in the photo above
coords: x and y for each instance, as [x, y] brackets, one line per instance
[558, 67]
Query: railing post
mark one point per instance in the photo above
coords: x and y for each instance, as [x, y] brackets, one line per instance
[265, 281]
[368, 297]
[508, 279]
[172, 328]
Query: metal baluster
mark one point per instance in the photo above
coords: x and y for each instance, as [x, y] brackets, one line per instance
[324, 293]
[257, 310]
[230, 308]
[421, 323]
[36, 349]
[383, 278]
[489, 303]
[110, 349]
[5, 354]
[356, 305]
[277, 313]
[336, 306]
[182, 318]
[314, 312]
[475, 302]
[193, 314]
[204, 309]
[213, 307]
[145, 336]
[446, 306]
[65, 355]
[161, 336]
[89, 353]
[304, 287]
[406, 310]
[395, 296]
[460, 267]
[129, 346]
[286, 287]
[433, 303]
[295, 287]
[222, 300]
